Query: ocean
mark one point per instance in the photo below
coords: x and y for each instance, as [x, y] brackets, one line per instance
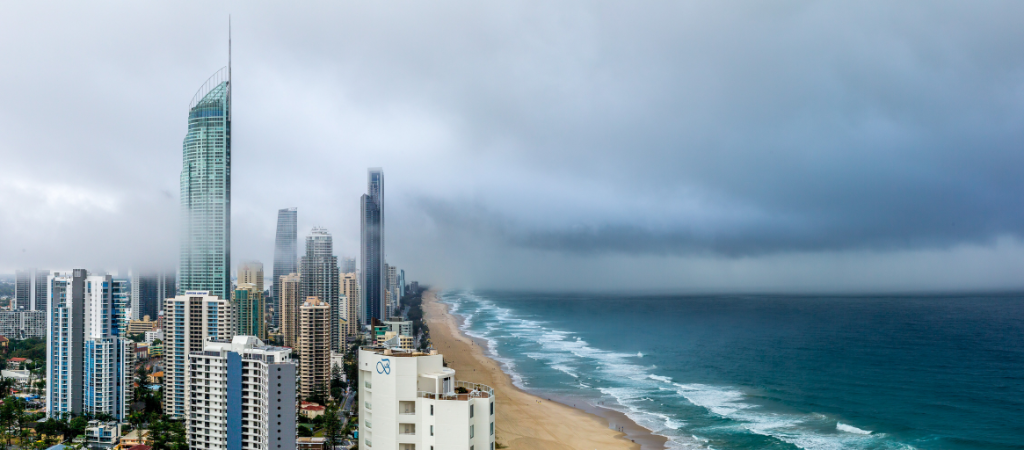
[771, 372]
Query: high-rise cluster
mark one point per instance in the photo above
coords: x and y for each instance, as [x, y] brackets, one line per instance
[231, 389]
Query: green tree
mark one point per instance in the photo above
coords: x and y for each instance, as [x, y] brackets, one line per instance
[12, 417]
[50, 430]
[76, 427]
[168, 435]
[332, 425]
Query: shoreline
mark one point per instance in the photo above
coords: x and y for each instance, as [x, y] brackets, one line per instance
[524, 420]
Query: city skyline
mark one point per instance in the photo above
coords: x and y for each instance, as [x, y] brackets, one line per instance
[746, 160]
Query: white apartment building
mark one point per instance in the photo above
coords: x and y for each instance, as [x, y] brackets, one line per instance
[241, 396]
[189, 321]
[410, 401]
[88, 365]
[23, 324]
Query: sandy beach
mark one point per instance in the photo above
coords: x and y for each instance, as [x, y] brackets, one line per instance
[524, 421]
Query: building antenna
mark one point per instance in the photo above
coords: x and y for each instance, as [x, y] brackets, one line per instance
[230, 86]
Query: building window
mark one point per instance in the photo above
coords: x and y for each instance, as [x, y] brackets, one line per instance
[492, 408]
[492, 428]
[431, 409]
[471, 434]
[470, 411]
[431, 430]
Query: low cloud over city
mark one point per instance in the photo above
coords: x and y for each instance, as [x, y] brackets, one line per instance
[701, 147]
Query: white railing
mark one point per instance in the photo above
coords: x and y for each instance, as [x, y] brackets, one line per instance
[473, 390]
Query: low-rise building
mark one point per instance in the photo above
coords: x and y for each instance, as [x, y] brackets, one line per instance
[410, 400]
[102, 434]
[399, 326]
[17, 363]
[141, 352]
[141, 326]
[20, 377]
[153, 335]
[135, 437]
[338, 365]
[311, 410]
[311, 443]
[156, 350]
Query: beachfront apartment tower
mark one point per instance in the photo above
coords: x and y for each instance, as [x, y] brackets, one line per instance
[242, 396]
[88, 365]
[190, 320]
[206, 190]
[286, 253]
[371, 248]
[410, 400]
[314, 347]
[248, 311]
[350, 290]
[289, 291]
[319, 272]
[30, 289]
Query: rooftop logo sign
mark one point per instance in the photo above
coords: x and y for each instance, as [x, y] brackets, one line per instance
[384, 366]
[197, 292]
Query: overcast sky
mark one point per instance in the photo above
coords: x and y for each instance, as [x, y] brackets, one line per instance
[784, 146]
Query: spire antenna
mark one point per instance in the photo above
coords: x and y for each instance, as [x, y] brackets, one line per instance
[230, 86]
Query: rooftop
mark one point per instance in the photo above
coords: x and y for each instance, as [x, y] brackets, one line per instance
[396, 352]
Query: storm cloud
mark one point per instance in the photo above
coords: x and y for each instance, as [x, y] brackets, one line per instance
[705, 146]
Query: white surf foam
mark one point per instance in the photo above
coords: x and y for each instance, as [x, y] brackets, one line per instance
[850, 428]
[571, 354]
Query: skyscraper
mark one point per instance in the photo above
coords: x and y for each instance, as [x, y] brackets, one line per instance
[30, 288]
[392, 290]
[350, 290]
[248, 307]
[290, 288]
[372, 248]
[189, 320]
[206, 190]
[286, 251]
[149, 290]
[314, 347]
[319, 274]
[88, 365]
[348, 265]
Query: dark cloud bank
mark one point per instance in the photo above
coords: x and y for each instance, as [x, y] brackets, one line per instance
[791, 146]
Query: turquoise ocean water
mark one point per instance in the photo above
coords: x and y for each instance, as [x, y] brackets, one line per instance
[776, 372]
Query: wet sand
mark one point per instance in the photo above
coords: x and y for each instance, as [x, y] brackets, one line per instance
[524, 421]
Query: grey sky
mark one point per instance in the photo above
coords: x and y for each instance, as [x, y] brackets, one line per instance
[698, 146]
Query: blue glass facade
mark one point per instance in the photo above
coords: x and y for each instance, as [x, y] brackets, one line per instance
[206, 191]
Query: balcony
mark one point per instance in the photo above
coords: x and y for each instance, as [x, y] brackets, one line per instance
[463, 391]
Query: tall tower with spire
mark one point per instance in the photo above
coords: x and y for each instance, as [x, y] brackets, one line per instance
[205, 263]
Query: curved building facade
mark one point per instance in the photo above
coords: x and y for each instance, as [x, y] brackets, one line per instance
[206, 191]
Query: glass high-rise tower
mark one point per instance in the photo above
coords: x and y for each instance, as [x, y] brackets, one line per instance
[285, 254]
[206, 190]
[372, 248]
